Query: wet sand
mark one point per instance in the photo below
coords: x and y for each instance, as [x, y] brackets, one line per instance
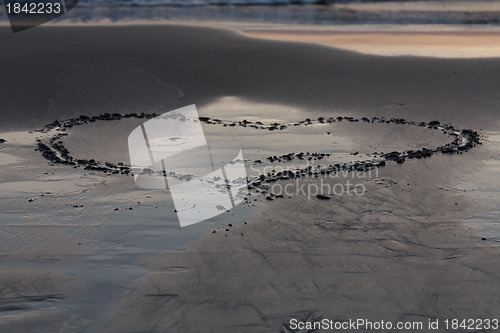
[399, 252]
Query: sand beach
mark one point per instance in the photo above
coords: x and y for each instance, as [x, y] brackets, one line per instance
[83, 250]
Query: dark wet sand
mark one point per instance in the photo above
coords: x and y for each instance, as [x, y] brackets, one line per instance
[59, 73]
[400, 252]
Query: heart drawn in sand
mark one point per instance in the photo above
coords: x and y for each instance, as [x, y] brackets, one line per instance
[26, 14]
[53, 149]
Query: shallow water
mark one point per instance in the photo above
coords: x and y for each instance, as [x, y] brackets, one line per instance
[278, 11]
